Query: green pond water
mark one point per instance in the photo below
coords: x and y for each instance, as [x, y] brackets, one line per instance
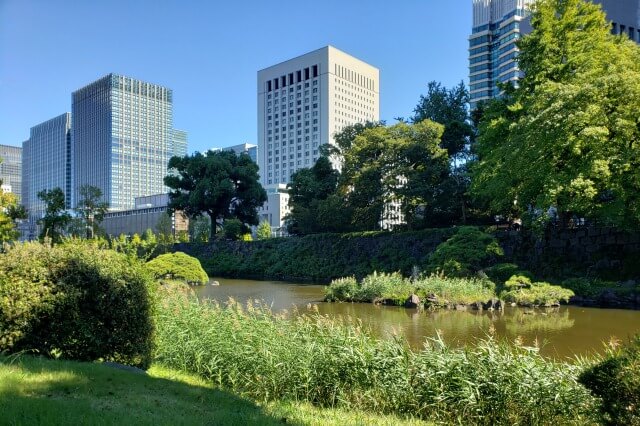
[560, 332]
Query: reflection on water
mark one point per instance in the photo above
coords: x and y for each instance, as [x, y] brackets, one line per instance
[562, 332]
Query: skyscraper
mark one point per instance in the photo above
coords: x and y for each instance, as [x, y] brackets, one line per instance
[46, 163]
[304, 101]
[122, 138]
[11, 169]
[499, 24]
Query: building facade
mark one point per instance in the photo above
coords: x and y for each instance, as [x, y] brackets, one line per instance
[122, 138]
[147, 213]
[246, 148]
[180, 143]
[302, 103]
[11, 170]
[499, 24]
[46, 163]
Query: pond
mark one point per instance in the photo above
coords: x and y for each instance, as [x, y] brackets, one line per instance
[561, 332]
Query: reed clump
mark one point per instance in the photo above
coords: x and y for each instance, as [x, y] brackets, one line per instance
[331, 363]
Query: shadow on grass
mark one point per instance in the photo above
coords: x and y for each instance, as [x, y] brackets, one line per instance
[37, 391]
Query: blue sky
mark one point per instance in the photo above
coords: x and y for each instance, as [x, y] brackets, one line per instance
[209, 53]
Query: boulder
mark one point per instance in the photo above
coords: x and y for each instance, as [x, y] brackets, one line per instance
[412, 302]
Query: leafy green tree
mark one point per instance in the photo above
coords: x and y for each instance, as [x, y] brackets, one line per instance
[91, 209]
[449, 108]
[220, 184]
[308, 189]
[232, 229]
[263, 232]
[56, 218]
[10, 212]
[568, 137]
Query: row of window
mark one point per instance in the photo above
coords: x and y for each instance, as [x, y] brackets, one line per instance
[293, 78]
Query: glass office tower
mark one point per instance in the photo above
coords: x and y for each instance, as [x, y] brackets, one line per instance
[46, 163]
[122, 138]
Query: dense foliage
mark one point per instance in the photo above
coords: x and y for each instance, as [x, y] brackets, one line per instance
[320, 257]
[219, 184]
[329, 363]
[75, 301]
[178, 266]
[465, 253]
[616, 380]
[567, 139]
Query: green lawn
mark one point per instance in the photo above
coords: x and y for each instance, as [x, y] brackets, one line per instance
[36, 391]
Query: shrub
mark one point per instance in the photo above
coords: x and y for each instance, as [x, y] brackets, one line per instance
[75, 301]
[328, 362]
[501, 272]
[465, 253]
[617, 381]
[521, 290]
[178, 266]
[341, 290]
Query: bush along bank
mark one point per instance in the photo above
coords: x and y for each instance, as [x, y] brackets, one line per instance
[333, 364]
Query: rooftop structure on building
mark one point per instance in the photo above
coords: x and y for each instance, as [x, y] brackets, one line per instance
[246, 148]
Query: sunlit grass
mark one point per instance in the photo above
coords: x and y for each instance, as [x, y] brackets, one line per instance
[36, 391]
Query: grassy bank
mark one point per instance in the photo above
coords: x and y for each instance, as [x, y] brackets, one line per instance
[324, 362]
[39, 391]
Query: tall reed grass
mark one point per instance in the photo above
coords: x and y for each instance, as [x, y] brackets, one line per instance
[394, 288]
[327, 362]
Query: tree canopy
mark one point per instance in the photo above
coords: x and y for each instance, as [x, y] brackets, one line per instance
[220, 184]
[449, 108]
[569, 137]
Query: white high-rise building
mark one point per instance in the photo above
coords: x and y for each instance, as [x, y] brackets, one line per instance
[302, 103]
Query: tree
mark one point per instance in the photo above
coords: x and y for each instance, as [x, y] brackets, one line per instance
[200, 229]
[263, 232]
[56, 217]
[91, 209]
[9, 213]
[569, 136]
[308, 189]
[220, 184]
[449, 108]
